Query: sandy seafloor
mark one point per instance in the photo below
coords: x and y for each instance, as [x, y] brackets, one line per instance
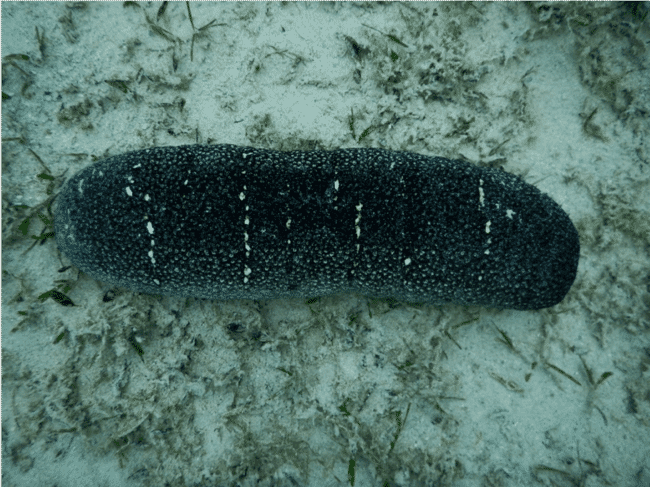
[123, 389]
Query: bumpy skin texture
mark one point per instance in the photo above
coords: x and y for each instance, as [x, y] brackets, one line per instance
[229, 222]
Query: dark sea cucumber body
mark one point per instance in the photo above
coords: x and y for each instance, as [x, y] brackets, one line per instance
[230, 222]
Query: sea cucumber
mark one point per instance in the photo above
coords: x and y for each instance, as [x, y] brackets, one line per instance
[231, 222]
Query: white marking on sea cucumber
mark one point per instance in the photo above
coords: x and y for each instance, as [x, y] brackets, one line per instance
[487, 226]
[358, 219]
[186, 181]
[509, 213]
[150, 254]
[336, 185]
[80, 186]
[150, 228]
[487, 252]
[147, 197]
[156, 281]
[247, 272]
[246, 246]
[407, 261]
[137, 166]
[481, 193]
[244, 156]
[242, 197]
[128, 191]
[288, 223]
